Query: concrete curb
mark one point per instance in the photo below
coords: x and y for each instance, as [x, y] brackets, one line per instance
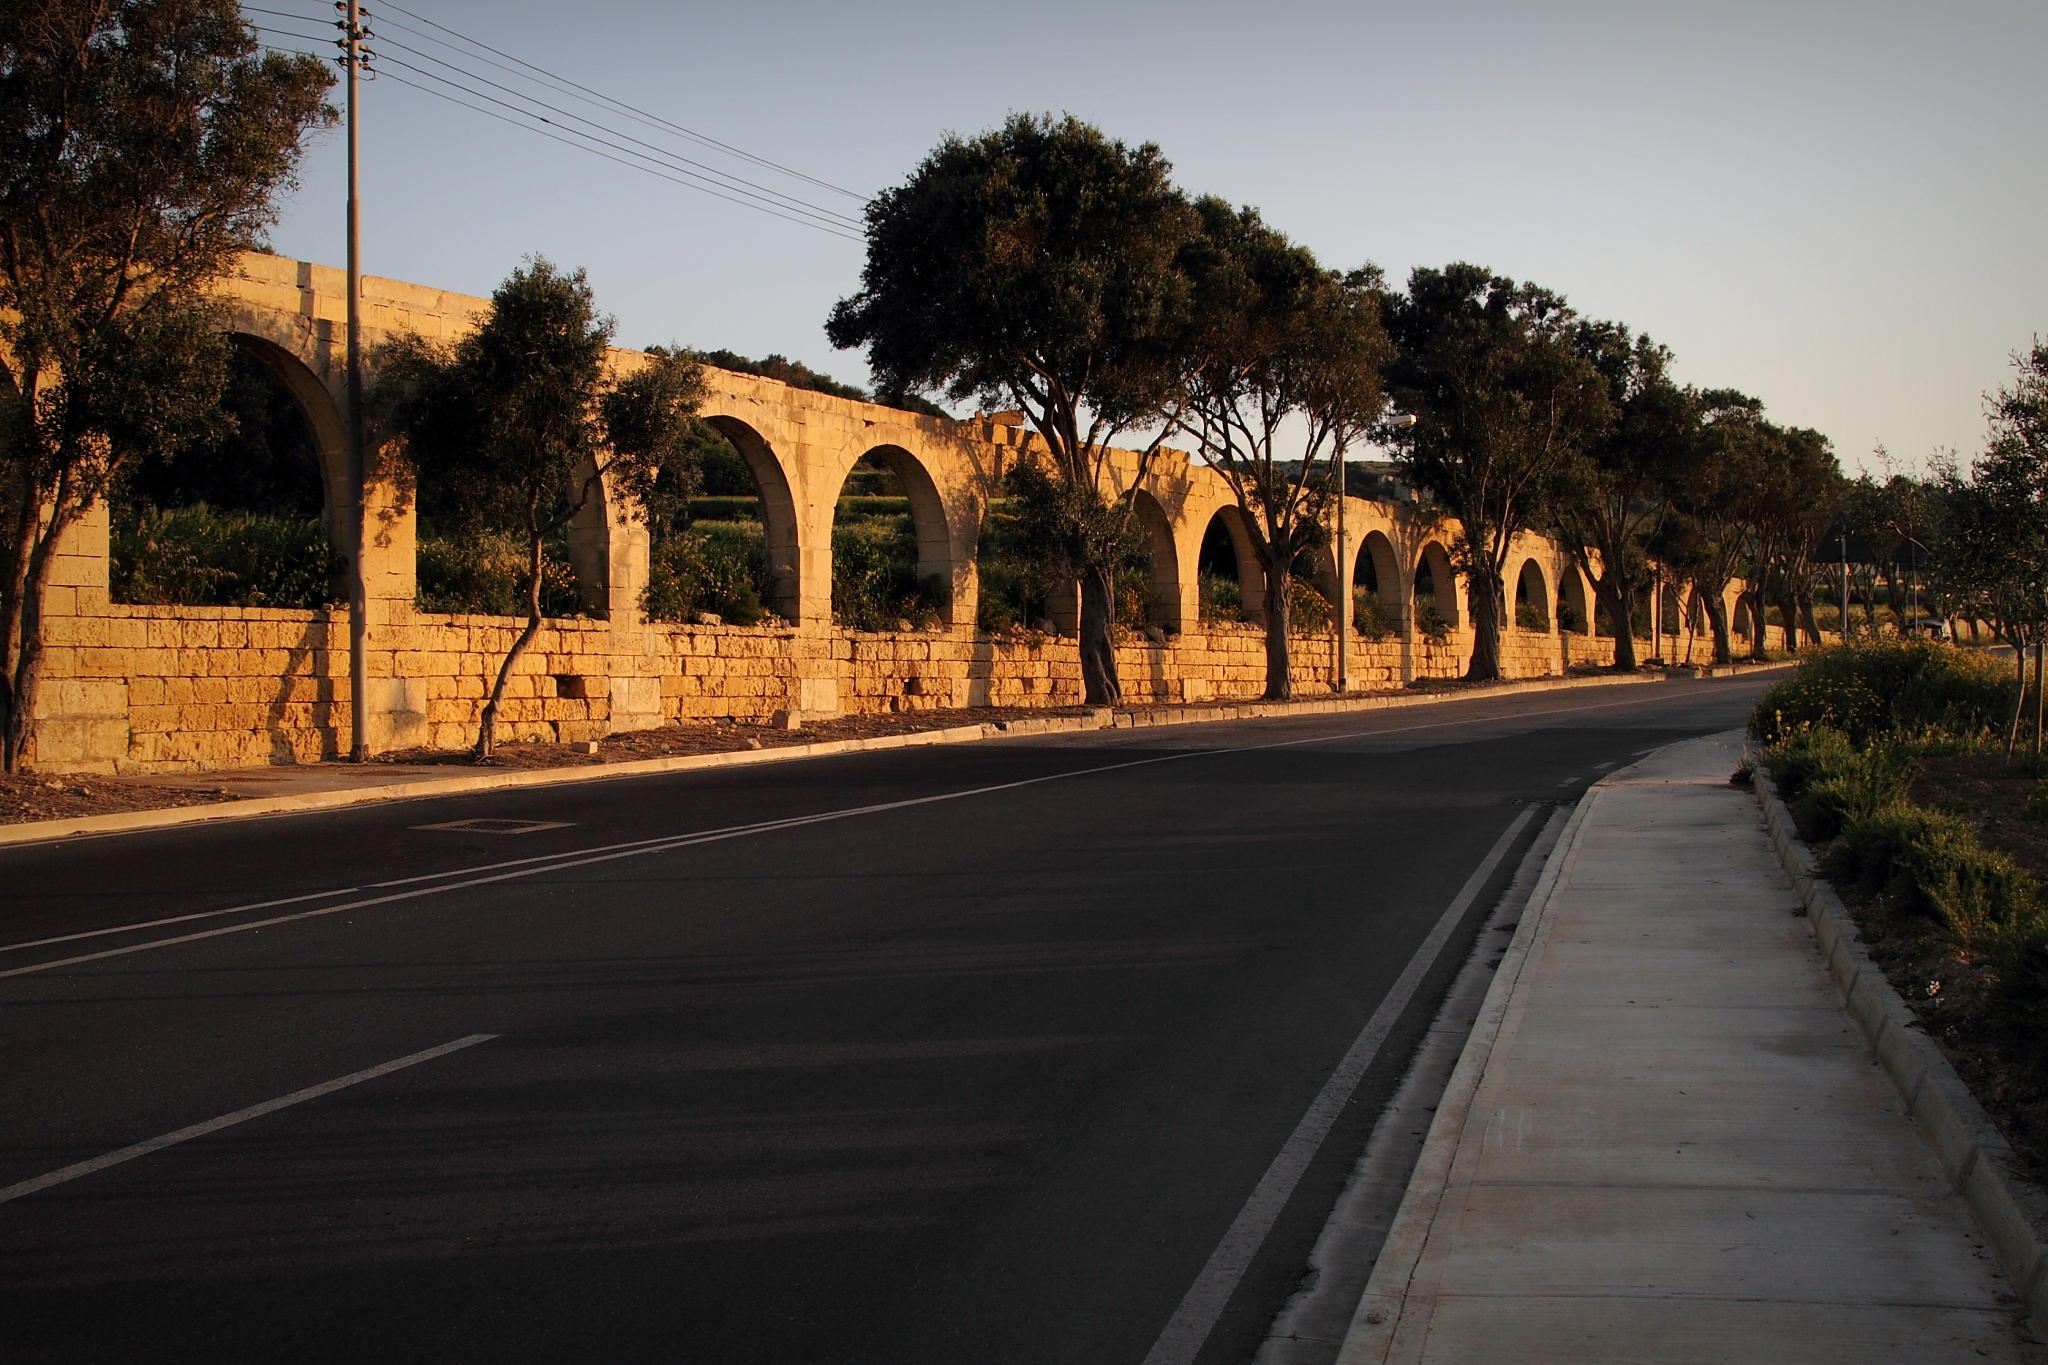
[2011, 1211]
[1381, 1329]
[40, 831]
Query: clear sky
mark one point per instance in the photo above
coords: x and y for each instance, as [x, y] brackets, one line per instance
[1839, 208]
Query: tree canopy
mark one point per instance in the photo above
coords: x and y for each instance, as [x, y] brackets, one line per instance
[1502, 400]
[142, 145]
[1283, 377]
[1037, 267]
[521, 423]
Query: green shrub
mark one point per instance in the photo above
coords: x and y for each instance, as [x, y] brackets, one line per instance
[1222, 597]
[1308, 611]
[1907, 687]
[1925, 863]
[719, 567]
[874, 576]
[1805, 757]
[1366, 617]
[485, 574]
[201, 557]
[1860, 787]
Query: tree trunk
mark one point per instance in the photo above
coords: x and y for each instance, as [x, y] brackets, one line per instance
[1279, 599]
[1485, 593]
[1806, 619]
[1717, 617]
[1759, 622]
[1621, 611]
[1099, 683]
[2019, 700]
[487, 724]
[2040, 696]
[27, 677]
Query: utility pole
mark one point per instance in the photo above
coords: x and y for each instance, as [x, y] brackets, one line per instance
[1343, 587]
[358, 591]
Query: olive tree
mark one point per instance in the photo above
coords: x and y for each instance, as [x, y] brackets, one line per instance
[1611, 497]
[518, 425]
[1037, 267]
[1502, 399]
[142, 145]
[1284, 376]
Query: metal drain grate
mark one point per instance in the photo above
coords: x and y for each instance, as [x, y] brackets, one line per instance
[498, 826]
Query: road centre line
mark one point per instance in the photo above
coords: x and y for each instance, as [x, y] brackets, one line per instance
[177, 919]
[542, 863]
[1188, 1329]
[254, 1111]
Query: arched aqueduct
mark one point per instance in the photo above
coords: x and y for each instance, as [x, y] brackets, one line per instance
[144, 687]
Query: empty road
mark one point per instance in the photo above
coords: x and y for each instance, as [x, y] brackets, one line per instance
[937, 1055]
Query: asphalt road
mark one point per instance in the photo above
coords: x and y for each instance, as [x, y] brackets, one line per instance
[977, 1065]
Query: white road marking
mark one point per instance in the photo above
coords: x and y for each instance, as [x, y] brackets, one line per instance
[549, 862]
[254, 1111]
[1569, 781]
[1192, 1321]
[177, 919]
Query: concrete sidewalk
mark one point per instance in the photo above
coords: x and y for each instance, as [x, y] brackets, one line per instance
[1666, 1140]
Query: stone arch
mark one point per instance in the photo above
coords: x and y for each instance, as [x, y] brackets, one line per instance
[933, 523]
[324, 419]
[1434, 563]
[1532, 591]
[1251, 575]
[1575, 599]
[1156, 531]
[778, 515]
[1376, 568]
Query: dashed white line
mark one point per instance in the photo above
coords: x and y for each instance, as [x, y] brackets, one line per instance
[254, 1111]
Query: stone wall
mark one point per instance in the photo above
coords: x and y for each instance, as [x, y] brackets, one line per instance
[151, 689]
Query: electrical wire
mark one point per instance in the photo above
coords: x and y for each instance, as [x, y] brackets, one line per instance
[813, 217]
[729, 181]
[558, 137]
[607, 140]
[568, 85]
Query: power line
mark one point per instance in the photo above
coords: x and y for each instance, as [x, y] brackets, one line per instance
[727, 179]
[813, 217]
[565, 141]
[607, 140]
[621, 105]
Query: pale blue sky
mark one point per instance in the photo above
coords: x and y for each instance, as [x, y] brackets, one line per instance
[1838, 208]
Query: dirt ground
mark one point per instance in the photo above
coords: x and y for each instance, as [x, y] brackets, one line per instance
[30, 797]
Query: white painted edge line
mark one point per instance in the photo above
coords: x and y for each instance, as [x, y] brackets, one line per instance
[254, 1111]
[46, 831]
[1189, 1327]
[2010, 1210]
[545, 863]
[1380, 1310]
[1312, 1324]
